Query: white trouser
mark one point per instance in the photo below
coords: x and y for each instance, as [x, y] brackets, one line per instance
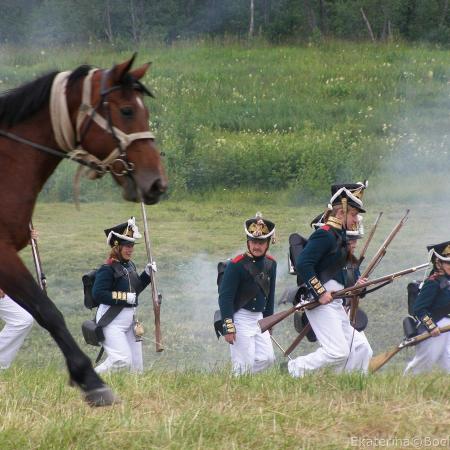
[435, 351]
[122, 350]
[252, 350]
[18, 323]
[341, 346]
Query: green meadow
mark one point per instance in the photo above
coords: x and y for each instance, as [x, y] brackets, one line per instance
[292, 118]
[244, 128]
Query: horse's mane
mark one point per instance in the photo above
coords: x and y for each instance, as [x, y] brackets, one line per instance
[20, 103]
[79, 72]
[17, 105]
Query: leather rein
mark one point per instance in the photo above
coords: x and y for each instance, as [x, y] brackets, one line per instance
[65, 134]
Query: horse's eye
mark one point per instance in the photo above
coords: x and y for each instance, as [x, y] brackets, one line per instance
[126, 111]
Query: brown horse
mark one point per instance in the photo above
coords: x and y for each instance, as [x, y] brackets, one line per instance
[41, 123]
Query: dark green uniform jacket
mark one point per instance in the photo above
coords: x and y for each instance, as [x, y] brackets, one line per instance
[322, 259]
[110, 288]
[237, 278]
[433, 301]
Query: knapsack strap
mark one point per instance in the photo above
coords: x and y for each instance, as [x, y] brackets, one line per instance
[110, 315]
[100, 354]
[261, 278]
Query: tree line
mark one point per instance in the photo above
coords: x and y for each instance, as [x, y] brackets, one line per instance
[115, 21]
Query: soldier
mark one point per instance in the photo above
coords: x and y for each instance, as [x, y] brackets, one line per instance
[320, 265]
[432, 308]
[18, 323]
[116, 288]
[246, 294]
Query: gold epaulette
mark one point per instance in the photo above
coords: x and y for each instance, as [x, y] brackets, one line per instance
[118, 295]
[334, 222]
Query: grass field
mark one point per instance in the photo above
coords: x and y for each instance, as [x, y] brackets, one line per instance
[186, 398]
[197, 410]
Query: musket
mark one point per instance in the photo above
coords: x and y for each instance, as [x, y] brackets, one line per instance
[156, 296]
[306, 329]
[279, 346]
[369, 238]
[380, 360]
[354, 302]
[41, 279]
[352, 291]
[382, 250]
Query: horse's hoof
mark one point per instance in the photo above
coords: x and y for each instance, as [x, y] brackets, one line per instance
[102, 396]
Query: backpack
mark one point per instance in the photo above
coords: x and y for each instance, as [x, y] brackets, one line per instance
[413, 289]
[88, 280]
[410, 323]
[221, 266]
[297, 244]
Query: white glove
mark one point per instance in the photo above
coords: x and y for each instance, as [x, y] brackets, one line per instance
[131, 298]
[149, 267]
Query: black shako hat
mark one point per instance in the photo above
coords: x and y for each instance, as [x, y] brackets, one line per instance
[122, 234]
[353, 192]
[258, 228]
[441, 251]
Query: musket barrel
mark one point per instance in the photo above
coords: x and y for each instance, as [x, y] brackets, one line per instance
[298, 339]
[369, 238]
[270, 321]
[377, 362]
[156, 297]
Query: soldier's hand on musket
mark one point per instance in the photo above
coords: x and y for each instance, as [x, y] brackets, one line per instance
[150, 267]
[435, 332]
[362, 280]
[230, 338]
[325, 298]
[34, 234]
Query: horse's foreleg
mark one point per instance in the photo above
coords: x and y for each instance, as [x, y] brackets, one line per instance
[18, 283]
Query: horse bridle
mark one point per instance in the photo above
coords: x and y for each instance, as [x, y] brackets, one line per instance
[119, 155]
[64, 133]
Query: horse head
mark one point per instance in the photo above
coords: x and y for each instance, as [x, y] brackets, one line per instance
[116, 130]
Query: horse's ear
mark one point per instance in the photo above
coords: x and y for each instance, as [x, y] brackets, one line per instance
[119, 70]
[138, 73]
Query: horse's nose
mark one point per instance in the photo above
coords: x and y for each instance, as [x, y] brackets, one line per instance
[158, 188]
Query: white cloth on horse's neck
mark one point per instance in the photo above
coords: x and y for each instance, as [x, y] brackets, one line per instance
[59, 113]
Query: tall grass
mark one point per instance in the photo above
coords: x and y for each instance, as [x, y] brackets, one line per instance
[276, 117]
[216, 411]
